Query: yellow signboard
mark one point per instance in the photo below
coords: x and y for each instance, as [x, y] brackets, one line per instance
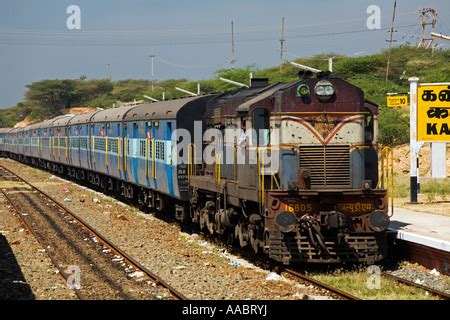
[397, 101]
[433, 113]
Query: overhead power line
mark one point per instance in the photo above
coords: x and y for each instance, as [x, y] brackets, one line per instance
[139, 43]
[210, 31]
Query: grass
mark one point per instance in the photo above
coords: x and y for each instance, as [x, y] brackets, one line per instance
[436, 187]
[434, 196]
[356, 282]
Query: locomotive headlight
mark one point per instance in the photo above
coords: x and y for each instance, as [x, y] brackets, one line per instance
[324, 89]
[329, 90]
[378, 221]
[286, 221]
[320, 90]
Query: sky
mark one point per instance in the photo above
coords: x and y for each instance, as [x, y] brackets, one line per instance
[191, 39]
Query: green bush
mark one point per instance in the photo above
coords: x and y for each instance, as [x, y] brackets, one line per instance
[393, 127]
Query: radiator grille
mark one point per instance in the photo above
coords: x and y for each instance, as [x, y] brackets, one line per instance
[329, 165]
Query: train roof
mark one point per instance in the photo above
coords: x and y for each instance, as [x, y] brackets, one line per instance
[33, 126]
[113, 114]
[55, 122]
[5, 130]
[266, 92]
[158, 110]
[16, 130]
[82, 118]
[62, 120]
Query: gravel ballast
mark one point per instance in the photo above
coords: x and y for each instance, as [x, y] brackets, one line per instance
[197, 268]
[26, 272]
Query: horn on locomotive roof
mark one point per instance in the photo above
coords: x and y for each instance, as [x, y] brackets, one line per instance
[302, 74]
[323, 74]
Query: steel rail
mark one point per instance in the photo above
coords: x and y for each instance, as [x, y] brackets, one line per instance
[322, 285]
[104, 240]
[50, 255]
[440, 294]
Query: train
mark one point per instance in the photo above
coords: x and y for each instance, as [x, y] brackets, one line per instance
[300, 183]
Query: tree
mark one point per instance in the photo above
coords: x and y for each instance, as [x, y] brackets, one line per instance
[51, 96]
[87, 91]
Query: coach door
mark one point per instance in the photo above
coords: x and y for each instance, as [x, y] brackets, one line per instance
[261, 124]
[134, 150]
[125, 152]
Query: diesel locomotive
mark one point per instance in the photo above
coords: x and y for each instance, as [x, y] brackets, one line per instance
[318, 199]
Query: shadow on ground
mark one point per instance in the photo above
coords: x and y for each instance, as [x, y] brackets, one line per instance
[12, 281]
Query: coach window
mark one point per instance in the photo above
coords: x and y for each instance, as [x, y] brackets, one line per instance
[261, 124]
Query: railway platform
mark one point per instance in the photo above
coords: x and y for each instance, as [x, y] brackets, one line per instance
[421, 237]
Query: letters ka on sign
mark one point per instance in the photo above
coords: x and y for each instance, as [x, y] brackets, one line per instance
[433, 113]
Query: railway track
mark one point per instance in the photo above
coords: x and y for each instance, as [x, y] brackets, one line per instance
[339, 294]
[437, 293]
[19, 194]
[331, 291]
[106, 272]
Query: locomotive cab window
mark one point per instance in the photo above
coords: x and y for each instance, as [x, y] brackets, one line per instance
[368, 126]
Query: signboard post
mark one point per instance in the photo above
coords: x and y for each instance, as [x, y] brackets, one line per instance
[414, 150]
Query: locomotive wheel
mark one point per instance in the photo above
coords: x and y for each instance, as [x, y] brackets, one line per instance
[205, 221]
[159, 203]
[210, 226]
[254, 241]
[202, 220]
[241, 234]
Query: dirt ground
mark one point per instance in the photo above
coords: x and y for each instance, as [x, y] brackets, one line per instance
[435, 203]
[401, 160]
[26, 272]
[199, 269]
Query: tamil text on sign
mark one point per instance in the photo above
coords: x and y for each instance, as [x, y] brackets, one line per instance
[433, 118]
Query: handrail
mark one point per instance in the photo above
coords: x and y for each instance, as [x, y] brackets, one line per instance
[386, 175]
[93, 148]
[153, 159]
[217, 171]
[273, 178]
[235, 163]
[147, 147]
[67, 148]
[106, 149]
[59, 150]
[125, 155]
[262, 178]
[119, 141]
[191, 165]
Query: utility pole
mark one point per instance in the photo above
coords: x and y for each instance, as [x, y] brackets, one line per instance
[233, 60]
[152, 56]
[427, 17]
[109, 72]
[282, 40]
[390, 41]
